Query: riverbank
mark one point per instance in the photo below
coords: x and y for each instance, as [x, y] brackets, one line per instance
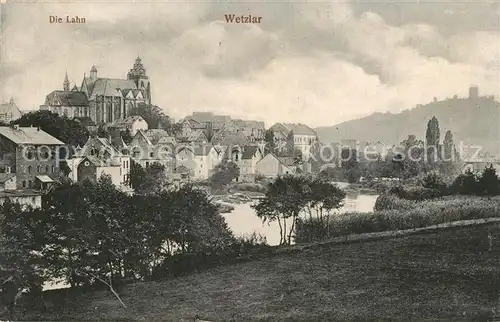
[449, 274]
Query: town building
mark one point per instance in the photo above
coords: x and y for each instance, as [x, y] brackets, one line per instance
[272, 166]
[97, 158]
[199, 159]
[25, 197]
[246, 158]
[303, 137]
[104, 100]
[154, 146]
[29, 152]
[9, 111]
[131, 124]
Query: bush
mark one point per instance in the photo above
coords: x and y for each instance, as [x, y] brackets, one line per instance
[434, 180]
[254, 187]
[243, 248]
[415, 193]
[411, 215]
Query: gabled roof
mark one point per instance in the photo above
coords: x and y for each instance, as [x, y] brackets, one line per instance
[230, 138]
[28, 135]
[249, 152]
[155, 135]
[199, 149]
[44, 178]
[129, 120]
[66, 98]
[299, 128]
[95, 161]
[108, 86]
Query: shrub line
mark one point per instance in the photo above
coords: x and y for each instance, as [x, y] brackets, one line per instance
[353, 238]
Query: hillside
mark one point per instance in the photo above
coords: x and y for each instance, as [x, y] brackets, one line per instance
[447, 275]
[475, 121]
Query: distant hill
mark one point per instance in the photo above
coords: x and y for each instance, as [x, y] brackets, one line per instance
[473, 120]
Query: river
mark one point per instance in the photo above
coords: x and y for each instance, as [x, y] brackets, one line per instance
[243, 221]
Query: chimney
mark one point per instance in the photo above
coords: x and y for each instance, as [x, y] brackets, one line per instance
[473, 92]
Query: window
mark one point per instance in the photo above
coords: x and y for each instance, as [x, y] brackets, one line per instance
[151, 154]
[24, 183]
[30, 169]
[147, 164]
[52, 169]
[30, 184]
[47, 169]
[38, 169]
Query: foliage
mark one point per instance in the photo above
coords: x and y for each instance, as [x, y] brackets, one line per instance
[432, 140]
[350, 165]
[433, 180]
[489, 183]
[156, 118]
[466, 184]
[289, 196]
[405, 214]
[415, 193]
[68, 131]
[147, 181]
[19, 264]
[270, 146]
[224, 173]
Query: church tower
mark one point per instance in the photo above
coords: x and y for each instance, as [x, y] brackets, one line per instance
[66, 83]
[138, 75]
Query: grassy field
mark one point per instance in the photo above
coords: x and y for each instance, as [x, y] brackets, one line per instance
[448, 275]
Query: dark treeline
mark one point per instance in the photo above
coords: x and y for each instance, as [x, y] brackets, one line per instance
[92, 234]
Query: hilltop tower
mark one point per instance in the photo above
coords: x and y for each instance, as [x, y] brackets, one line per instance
[138, 75]
[473, 92]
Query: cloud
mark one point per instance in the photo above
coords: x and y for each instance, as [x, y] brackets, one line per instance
[320, 63]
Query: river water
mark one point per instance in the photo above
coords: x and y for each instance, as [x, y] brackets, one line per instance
[243, 221]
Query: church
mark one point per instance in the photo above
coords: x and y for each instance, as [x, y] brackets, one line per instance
[103, 100]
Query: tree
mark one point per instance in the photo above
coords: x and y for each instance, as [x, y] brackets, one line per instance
[68, 131]
[351, 165]
[488, 182]
[433, 180]
[136, 175]
[147, 181]
[432, 140]
[20, 266]
[126, 136]
[224, 173]
[411, 158]
[269, 140]
[284, 200]
[155, 118]
[448, 146]
[466, 184]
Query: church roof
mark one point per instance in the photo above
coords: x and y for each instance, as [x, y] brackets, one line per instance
[66, 98]
[108, 86]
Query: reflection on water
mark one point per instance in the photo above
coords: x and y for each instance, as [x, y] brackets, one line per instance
[243, 221]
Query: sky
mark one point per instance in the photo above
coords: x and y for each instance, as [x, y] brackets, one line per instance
[318, 63]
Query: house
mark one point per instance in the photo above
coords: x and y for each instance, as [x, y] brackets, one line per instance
[272, 166]
[199, 159]
[9, 111]
[26, 197]
[8, 181]
[131, 124]
[246, 158]
[99, 157]
[154, 146]
[302, 135]
[227, 137]
[255, 131]
[29, 152]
